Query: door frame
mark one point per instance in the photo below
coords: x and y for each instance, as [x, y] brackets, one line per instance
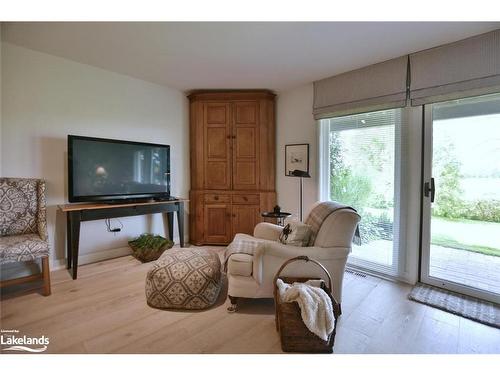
[425, 248]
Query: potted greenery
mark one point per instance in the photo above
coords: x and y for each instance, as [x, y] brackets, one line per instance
[148, 247]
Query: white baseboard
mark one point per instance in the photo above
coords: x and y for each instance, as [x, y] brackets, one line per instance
[19, 269]
[58, 264]
[98, 256]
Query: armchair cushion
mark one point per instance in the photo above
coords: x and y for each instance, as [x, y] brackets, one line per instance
[24, 247]
[267, 231]
[296, 233]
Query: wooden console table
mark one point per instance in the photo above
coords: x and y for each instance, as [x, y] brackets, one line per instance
[76, 213]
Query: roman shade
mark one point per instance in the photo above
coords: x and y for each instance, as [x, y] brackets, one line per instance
[457, 70]
[375, 87]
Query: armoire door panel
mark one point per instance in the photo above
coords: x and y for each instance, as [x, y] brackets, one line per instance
[217, 113]
[246, 142]
[216, 143]
[246, 145]
[267, 146]
[245, 175]
[246, 113]
[217, 223]
[217, 176]
[245, 218]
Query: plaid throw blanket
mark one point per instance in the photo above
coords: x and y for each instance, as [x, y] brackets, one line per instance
[320, 213]
[240, 247]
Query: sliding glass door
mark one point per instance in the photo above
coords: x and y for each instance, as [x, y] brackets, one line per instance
[461, 204]
[362, 168]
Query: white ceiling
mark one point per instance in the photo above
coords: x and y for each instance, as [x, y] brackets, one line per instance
[275, 55]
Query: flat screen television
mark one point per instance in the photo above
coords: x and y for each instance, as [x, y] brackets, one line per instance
[113, 170]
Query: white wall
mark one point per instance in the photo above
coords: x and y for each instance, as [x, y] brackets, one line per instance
[45, 98]
[296, 124]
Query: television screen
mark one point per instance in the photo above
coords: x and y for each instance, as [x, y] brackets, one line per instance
[106, 169]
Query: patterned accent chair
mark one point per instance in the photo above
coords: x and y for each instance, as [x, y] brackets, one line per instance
[23, 227]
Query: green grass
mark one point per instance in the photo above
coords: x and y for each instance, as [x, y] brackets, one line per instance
[469, 235]
[447, 241]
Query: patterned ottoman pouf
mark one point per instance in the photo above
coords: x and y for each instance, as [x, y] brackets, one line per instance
[188, 279]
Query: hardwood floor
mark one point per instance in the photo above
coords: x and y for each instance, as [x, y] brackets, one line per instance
[105, 311]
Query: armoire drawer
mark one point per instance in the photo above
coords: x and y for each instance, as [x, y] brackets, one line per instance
[217, 198]
[246, 198]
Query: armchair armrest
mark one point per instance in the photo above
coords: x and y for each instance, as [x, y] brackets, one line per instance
[320, 253]
[268, 258]
[267, 231]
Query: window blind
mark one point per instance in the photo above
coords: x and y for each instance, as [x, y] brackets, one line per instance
[469, 67]
[375, 87]
[363, 167]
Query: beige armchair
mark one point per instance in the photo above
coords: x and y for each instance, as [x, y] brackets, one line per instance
[23, 227]
[251, 276]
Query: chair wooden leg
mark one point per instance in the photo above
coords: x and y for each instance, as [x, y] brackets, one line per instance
[234, 306]
[46, 276]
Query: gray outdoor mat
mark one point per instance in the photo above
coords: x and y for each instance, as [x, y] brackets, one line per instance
[455, 303]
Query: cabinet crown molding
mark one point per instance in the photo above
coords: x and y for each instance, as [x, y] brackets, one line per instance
[223, 94]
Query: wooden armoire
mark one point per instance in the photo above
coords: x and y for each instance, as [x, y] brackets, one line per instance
[232, 141]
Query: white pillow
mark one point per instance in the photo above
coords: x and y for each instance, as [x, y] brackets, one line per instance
[295, 233]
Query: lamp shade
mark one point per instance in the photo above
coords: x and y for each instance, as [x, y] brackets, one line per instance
[299, 173]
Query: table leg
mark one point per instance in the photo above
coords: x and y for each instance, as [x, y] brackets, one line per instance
[68, 241]
[168, 224]
[75, 240]
[180, 222]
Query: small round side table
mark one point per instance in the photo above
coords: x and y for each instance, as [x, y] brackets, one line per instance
[279, 216]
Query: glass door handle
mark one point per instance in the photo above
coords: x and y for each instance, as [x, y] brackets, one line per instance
[430, 188]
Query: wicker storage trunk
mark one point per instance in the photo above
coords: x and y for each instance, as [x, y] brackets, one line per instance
[294, 335]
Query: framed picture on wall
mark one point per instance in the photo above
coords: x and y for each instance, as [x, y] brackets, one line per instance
[296, 157]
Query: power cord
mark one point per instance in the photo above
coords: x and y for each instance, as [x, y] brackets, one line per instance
[113, 230]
